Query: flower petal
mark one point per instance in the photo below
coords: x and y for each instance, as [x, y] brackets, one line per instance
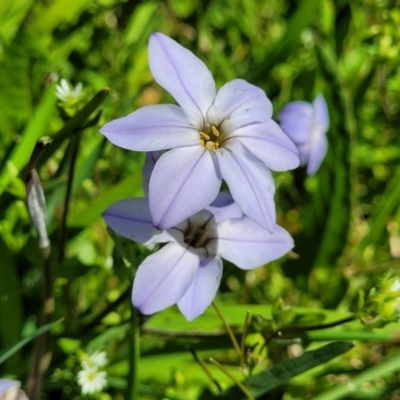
[7, 384]
[182, 74]
[247, 245]
[150, 128]
[250, 183]
[150, 161]
[203, 289]
[184, 181]
[130, 218]
[321, 114]
[224, 207]
[317, 154]
[163, 278]
[296, 119]
[238, 104]
[270, 144]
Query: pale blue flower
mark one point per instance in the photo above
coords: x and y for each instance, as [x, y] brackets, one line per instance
[307, 124]
[10, 389]
[212, 135]
[188, 269]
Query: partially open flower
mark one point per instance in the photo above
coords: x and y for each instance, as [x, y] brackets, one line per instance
[307, 125]
[213, 135]
[10, 390]
[188, 269]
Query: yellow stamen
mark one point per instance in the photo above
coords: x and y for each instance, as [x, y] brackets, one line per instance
[215, 131]
[204, 136]
[212, 145]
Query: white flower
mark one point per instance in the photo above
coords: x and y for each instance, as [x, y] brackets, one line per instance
[95, 360]
[91, 380]
[65, 92]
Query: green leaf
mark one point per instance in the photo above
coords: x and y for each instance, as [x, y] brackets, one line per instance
[354, 385]
[11, 307]
[35, 129]
[300, 19]
[12, 14]
[381, 214]
[75, 124]
[128, 187]
[7, 353]
[262, 383]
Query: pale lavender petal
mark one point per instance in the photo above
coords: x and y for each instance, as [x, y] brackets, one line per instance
[304, 152]
[150, 161]
[321, 114]
[163, 278]
[184, 181]
[151, 128]
[270, 144]
[296, 120]
[203, 289]
[250, 183]
[224, 207]
[130, 218]
[247, 245]
[182, 74]
[7, 384]
[165, 237]
[237, 104]
[317, 154]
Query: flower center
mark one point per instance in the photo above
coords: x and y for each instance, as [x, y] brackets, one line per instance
[197, 237]
[210, 138]
[200, 234]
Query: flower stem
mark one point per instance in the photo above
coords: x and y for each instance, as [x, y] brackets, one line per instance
[74, 153]
[134, 356]
[228, 329]
[203, 365]
[242, 342]
[237, 382]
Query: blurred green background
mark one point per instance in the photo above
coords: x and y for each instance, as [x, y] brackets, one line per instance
[345, 219]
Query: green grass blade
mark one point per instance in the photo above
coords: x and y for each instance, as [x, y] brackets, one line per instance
[7, 353]
[384, 369]
[34, 130]
[265, 381]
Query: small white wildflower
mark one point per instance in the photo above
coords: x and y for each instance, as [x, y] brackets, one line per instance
[91, 380]
[95, 360]
[65, 92]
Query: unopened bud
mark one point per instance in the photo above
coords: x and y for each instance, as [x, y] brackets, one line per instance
[37, 208]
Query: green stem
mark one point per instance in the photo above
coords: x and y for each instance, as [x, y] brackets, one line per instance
[237, 382]
[228, 329]
[74, 153]
[134, 356]
[204, 367]
[242, 342]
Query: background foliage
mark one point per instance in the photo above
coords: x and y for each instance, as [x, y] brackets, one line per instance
[345, 220]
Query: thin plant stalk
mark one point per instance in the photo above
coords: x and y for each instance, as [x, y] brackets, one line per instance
[237, 382]
[74, 153]
[134, 356]
[228, 329]
[242, 342]
[204, 367]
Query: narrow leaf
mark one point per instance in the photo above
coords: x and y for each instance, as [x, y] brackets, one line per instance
[7, 353]
[265, 381]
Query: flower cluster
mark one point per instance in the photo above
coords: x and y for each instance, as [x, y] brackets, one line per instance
[211, 136]
[90, 378]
